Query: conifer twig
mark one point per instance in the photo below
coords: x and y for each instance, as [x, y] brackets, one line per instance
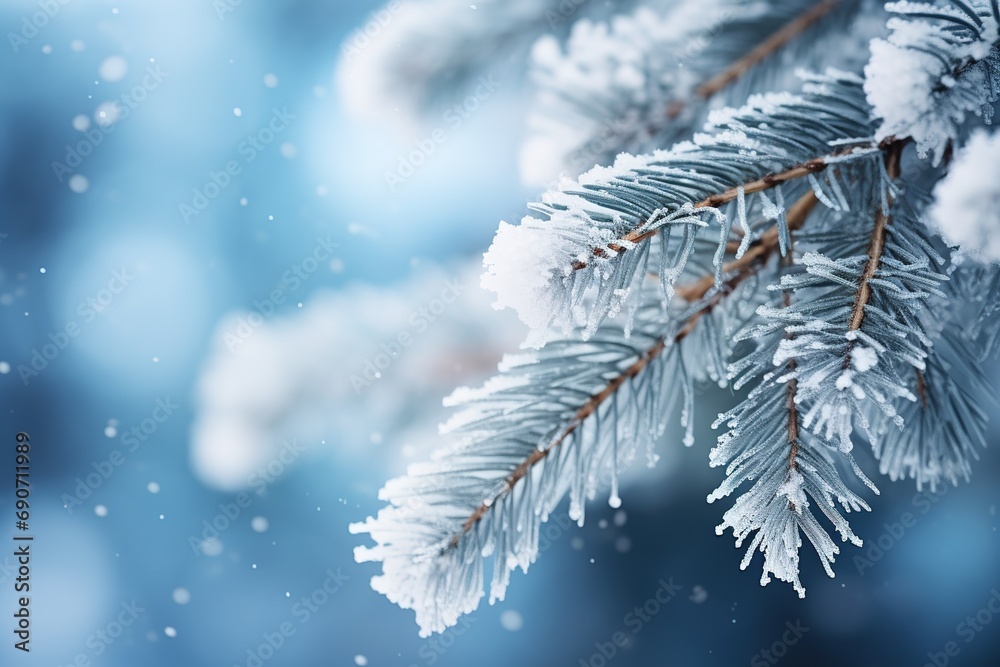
[800, 170]
[876, 245]
[793, 384]
[750, 263]
[759, 251]
[761, 52]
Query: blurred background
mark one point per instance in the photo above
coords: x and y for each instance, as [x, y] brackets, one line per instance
[209, 247]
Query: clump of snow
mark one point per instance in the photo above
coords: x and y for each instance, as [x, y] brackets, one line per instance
[966, 207]
[911, 84]
[863, 358]
[628, 70]
[792, 489]
[521, 265]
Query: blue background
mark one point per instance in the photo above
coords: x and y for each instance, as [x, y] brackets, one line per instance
[188, 275]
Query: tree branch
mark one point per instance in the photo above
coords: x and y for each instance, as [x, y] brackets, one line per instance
[748, 265]
[582, 414]
[812, 166]
[762, 51]
[759, 251]
[792, 385]
[876, 245]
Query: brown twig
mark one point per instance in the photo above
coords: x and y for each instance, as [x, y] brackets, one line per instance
[759, 251]
[922, 389]
[791, 387]
[764, 50]
[876, 246]
[595, 401]
[764, 183]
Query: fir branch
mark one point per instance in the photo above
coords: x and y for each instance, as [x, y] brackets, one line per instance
[776, 509]
[673, 77]
[759, 251]
[748, 266]
[875, 246]
[812, 166]
[939, 63]
[581, 415]
[598, 238]
[762, 51]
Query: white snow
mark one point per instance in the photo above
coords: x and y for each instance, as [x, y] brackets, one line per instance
[521, 265]
[845, 380]
[630, 69]
[511, 620]
[966, 207]
[291, 377]
[863, 358]
[78, 183]
[113, 69]
[909, 83]
[792, 489]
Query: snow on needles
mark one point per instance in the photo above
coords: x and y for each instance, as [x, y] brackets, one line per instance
[522, 262]
[611, 84]
[928, 75]
[966, 206]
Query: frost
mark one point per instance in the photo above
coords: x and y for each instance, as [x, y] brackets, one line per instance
[521, 264]
[626, 69]
[792, 489]
[927, 76]
[966, 206]
[845, 381]
[863, 358]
